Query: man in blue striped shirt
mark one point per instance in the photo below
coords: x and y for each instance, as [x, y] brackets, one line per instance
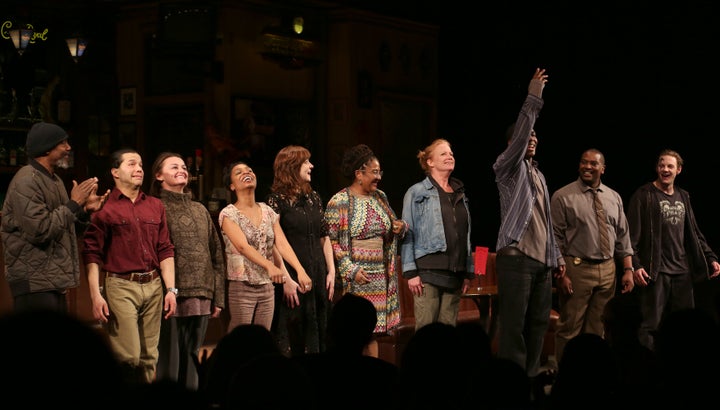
[527, 253]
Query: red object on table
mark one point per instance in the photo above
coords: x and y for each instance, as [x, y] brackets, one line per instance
[481, 255]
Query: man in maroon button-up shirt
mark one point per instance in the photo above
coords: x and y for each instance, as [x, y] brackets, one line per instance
[128, 235]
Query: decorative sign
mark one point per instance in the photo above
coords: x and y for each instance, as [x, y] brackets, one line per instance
[286, 46]
[37, 35]
[289, 52]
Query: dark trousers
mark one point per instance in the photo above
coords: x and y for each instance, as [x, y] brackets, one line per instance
[667, 293]
[524, 303]
[180, 341]
[51, 300]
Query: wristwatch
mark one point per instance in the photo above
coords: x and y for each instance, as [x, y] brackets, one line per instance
[173, 290]
[629, 268]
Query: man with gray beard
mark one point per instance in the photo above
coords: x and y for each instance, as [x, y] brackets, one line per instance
[38, 223]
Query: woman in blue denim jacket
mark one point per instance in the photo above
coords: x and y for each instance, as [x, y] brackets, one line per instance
[436, 255]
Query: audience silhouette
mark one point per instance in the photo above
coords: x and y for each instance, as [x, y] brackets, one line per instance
[476, 343]
[344, 376]
[587, 375]
[506, 385]
[491, 383]
[53, 359]
[432, 369]
[271, 381]
[688, 358]
[240, 346]
[443, 366]
[637, 368]
[164, 393]
[351, 324]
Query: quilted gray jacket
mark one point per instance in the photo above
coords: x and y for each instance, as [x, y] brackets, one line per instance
[38, 232]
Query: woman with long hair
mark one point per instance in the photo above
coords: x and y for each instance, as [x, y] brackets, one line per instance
[300, 321]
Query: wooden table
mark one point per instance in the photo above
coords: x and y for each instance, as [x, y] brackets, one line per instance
[485, 298]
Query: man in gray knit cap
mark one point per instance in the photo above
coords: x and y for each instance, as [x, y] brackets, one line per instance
[38, 223]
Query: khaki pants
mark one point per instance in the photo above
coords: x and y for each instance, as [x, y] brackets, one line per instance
[436, 304]
[593, 285]
[134, 326]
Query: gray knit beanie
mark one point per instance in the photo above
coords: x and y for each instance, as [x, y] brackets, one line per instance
[42, 138]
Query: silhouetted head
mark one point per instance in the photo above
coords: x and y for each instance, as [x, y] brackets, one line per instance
[351, 324]
[241, 345]
[61, 359]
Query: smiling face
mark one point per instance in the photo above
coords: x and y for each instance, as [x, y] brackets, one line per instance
[173, 174]
[368, 176]
[532, 145]
[442, 158]
[667, 169]
[129, 174]
[242, 177]
[592, 166]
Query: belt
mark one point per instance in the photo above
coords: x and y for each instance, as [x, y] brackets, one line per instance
[577, 261]
[510, 251]
[141, 277]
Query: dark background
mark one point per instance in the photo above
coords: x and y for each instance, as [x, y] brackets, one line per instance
[630, 79]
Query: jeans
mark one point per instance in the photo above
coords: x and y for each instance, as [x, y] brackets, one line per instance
[524, 303]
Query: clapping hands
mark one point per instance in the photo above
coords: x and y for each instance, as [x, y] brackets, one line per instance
[85, 194]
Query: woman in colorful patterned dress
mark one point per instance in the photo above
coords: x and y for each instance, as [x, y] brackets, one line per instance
[363, 231]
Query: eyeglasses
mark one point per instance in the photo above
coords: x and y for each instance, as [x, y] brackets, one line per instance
[375, 172]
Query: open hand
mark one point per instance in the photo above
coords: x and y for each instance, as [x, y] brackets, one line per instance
[537, 83]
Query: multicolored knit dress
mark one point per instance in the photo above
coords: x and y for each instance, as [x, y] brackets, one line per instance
[360, 230]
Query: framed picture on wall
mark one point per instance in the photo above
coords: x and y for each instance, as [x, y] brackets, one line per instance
[128, 101]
